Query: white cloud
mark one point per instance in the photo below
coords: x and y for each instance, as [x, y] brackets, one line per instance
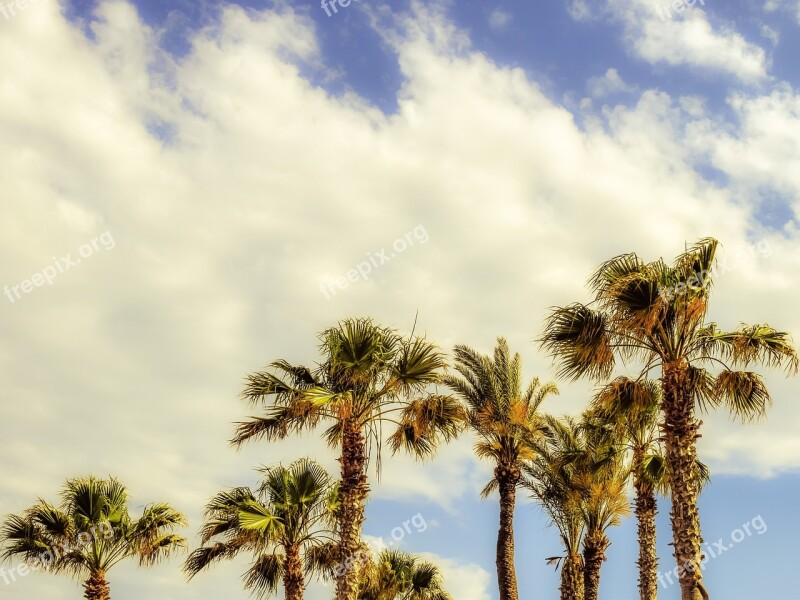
[499, 19]
[580, 10]
[788, 6]
[131, 364]
[463, 581]
[771, 34]
[608, 84]
[684, 38]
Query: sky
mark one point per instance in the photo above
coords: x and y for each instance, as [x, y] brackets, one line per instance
[192, 189]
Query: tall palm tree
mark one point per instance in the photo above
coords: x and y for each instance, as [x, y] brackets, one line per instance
[554, 484]
[368, 376]
[508, 424]
[398, 575]
[67, 538]
[283, 523]
[657, 313]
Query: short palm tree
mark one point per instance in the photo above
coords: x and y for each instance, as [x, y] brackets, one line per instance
[602, 479]
[554, 483]
[369, 376]
[657, 313]
[398, 575]
[91, 531]
[285, 524]
[508, 424]
[633, 408]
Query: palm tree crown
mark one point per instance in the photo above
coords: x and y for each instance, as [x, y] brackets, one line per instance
[398, 575]
[507, 422]
[369, 375]
[91, 531]
[289, 517]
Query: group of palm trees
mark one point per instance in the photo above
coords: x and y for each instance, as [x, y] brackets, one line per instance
[639, 430]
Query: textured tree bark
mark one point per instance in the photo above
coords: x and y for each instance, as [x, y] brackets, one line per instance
[680, 429]
[646, 510]
[572, 578]
[353, 493]
[293, 580]
[594, 554]
[508, 478]
[96, 587]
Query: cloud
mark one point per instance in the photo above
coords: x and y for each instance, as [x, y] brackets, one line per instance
[463, 581]
[771, 34]
[266, 184]
[608, 84]
[499, 19]
[787, 6]
[658, 35]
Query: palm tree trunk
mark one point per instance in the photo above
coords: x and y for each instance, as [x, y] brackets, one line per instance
[646, 510]
[572, 578]
[353, 493]
[506, 573]
[680, 429]
[594, 554]
[293, 581]
[96, 587]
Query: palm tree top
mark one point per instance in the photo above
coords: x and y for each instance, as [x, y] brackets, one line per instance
[657, 312]
[91, 529]
[398, 575]
[293, 506]
[368, 376]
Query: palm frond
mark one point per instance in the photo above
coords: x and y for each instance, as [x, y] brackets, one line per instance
[578, 339]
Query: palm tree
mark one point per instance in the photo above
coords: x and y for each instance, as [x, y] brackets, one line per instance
[632, 407]
[554, 484]
[369, 376]
[398, 575]
[602, 479]
[284, 523]
[508, 425]
[67, 538]
[657, 313]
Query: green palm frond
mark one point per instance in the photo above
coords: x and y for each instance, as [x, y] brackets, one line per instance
[203, 557]
[294, 507]
[367, 374]
[258, 518]
[91, 530]
[748, 345]
[418, 365]
[613, 270]
[427, 422]
[322, 558]
[264, 575]
[578, 339]
[743, 393]
[398, 575]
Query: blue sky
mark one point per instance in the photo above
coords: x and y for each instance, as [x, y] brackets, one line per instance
[245, 156]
